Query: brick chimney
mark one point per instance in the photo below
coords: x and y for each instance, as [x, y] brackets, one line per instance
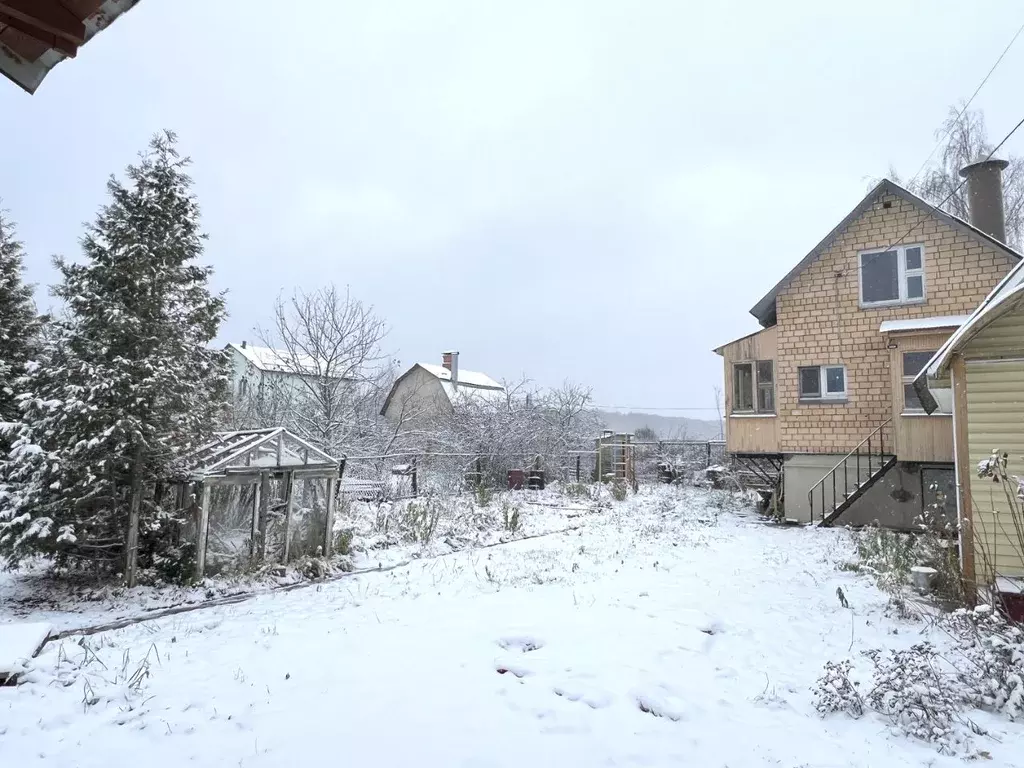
[450, 360]
[985, 196]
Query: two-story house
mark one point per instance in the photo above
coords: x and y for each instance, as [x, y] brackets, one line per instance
[820, 403]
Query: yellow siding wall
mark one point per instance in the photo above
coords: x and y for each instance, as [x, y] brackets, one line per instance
[820, 320]
[995, 421]
[1003, 338]
[749, 434]
[917, 437]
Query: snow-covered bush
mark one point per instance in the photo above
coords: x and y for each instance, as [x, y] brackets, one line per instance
[992, 663]
[835, 692]
[913, 688]
[925, 693]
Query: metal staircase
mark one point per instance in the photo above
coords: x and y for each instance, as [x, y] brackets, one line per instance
[850, 479]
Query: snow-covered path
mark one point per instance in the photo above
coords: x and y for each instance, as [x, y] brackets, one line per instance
[662, 633]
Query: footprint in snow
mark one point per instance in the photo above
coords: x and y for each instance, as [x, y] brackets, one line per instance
[521, 643]
[595, 698]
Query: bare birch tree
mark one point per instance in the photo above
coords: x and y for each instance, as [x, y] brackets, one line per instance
[964, 141]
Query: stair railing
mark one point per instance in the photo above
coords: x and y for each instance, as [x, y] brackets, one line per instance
[866, 452]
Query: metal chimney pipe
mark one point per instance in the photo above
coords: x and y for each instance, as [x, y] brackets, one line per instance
[985, 196]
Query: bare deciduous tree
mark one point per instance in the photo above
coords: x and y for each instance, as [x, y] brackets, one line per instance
[330, 345]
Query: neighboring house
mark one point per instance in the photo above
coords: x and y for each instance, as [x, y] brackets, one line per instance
[820, 404]
[36, 35]
[979, 374]
[259, 368]
[426, 390]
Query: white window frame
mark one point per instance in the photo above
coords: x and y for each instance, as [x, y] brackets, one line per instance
[756, 384]
[902, 273]
[824, 395]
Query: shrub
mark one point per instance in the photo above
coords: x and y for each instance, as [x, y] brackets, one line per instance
[834, 692]
[619, 490]
[483, 495]
[510, 517]
[420, 519]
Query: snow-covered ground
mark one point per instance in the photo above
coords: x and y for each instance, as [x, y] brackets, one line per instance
[673, 629]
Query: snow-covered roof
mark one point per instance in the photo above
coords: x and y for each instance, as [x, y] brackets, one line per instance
[278, 360]
[923, 323]
[466, 378]
[249, 449]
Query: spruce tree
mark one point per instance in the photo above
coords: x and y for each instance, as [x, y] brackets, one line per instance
[18, 324]
[130, 383]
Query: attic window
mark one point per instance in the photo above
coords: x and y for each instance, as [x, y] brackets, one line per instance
[892, 276]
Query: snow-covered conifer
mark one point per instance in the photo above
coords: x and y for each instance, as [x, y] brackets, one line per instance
[130, 382]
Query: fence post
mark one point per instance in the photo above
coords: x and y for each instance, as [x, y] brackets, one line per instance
[578, 470]
[709, 455]
[415, 478]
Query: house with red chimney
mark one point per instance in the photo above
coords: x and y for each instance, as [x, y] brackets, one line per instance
[820, 403]
[428, 390]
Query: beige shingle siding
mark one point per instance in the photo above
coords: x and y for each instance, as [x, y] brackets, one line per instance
[820, 320]
[995, 419]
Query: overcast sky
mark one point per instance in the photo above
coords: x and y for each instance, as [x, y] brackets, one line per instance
[589, 190]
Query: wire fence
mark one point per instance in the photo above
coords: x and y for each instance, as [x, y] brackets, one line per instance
[406, 475]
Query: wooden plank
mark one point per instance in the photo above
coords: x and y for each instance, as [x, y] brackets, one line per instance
[332, 494]
[263, 515]
[255, 530]
[48, 16]
[202, 531]
[964, 471]
[288, 508]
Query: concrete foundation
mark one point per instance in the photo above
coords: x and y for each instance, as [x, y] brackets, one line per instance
[896, 501]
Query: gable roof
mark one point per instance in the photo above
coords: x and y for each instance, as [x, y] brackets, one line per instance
[277, 360]
[466, 378]
[764, 310]
[36, 36]
[471, 384]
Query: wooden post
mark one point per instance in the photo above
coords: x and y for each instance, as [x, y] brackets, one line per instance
[289, 505]
[415, 477]
[202, 532]
[264, 514]
[965, 516]
[255, 532]
[134, 513]
[332, 493]
[709, 456]
[578, 469]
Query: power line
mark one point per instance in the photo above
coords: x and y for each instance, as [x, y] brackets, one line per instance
[946, 199]
[968, 104]
[653, 408]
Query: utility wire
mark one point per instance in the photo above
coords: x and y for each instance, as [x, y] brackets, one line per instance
[936, 208]
[963, 110]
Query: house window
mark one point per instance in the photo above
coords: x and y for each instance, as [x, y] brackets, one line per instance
[894, 276]
[822, 382]
[243, 387]
[765, 386]
[753, 387]
[913, 362]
